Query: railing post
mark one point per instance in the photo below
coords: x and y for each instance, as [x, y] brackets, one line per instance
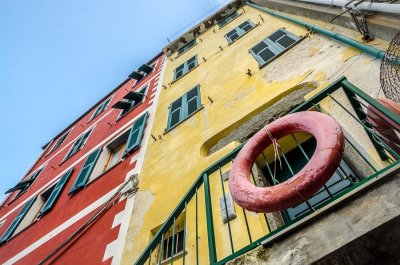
[209, 218]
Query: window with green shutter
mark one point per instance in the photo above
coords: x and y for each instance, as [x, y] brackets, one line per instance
[136, 134]
[225, 20]
[86, 170]
[133, 101]
[239, 31]
[184, 107]
[100, 109]
[187, 46]
[185, 67]
[59, 142]
[78, 144]
[24, 185]
[55, 193]
[275, 44]
[17, 221]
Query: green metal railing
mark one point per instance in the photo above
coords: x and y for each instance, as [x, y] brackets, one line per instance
[207, 240]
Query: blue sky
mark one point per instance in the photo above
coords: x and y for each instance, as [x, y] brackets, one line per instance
[58, 58]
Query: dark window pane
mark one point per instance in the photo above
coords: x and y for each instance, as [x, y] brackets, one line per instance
[192, 106]
[259, 47]
[178, 74]
[177, 104]
[180, 237]
[191, 60]
[266, 55]
[286, 41]
[191, 94]
[191, 66]
[275, 36]
[165, 250]
[234, 36]
[246, 26]
[191, 63]
[175, 117]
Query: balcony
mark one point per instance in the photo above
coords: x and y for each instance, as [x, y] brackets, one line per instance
[206, 227]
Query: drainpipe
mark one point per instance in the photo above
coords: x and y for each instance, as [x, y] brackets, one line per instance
[358, 45]
[380, 7]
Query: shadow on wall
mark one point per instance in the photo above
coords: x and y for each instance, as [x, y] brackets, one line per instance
[248, 125]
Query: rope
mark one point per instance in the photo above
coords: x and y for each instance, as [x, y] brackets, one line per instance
[96, 216]
[277, 155]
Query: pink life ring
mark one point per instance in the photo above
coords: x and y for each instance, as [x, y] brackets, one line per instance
[318, 170]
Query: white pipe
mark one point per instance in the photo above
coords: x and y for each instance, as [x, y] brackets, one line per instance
[380, 7]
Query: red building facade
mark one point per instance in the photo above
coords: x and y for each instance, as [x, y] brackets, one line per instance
[73, 206]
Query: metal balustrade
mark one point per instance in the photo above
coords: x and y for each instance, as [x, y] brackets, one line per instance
[208, 240]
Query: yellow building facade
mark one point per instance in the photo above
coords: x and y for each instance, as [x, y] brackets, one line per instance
[224, 88]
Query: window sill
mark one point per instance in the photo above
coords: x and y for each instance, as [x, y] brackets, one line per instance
[258, 24]
[182, 121]
[185, 74]
[177, 255]
[220, 27]
[283, 52]
[178, 55]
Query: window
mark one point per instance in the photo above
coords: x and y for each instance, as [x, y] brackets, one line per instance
[78, 144]
[59, 142]
[297, 160]
[24, 185]
[184, 106]
[135, 135]
[187, 46]
[86, 170]
[114, 157]
[103, 159]
[132, 100]
[169, 250]
[273, 45]
[50, 196]
[35, 208]
[111, 155]
[239, 31]
[17, 221]
[100, 109]
[142, 72]
[185, 67]
[225, 20]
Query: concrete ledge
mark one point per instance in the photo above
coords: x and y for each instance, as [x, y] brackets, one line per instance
[382, 26]
[351, 224]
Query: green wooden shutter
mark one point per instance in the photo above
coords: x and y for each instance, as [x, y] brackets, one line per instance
[135, 135]
[25, 184]
[56, 192]
[101, 108]
[84, 138]
[192, 101]
[14, 225]
[85, 171]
